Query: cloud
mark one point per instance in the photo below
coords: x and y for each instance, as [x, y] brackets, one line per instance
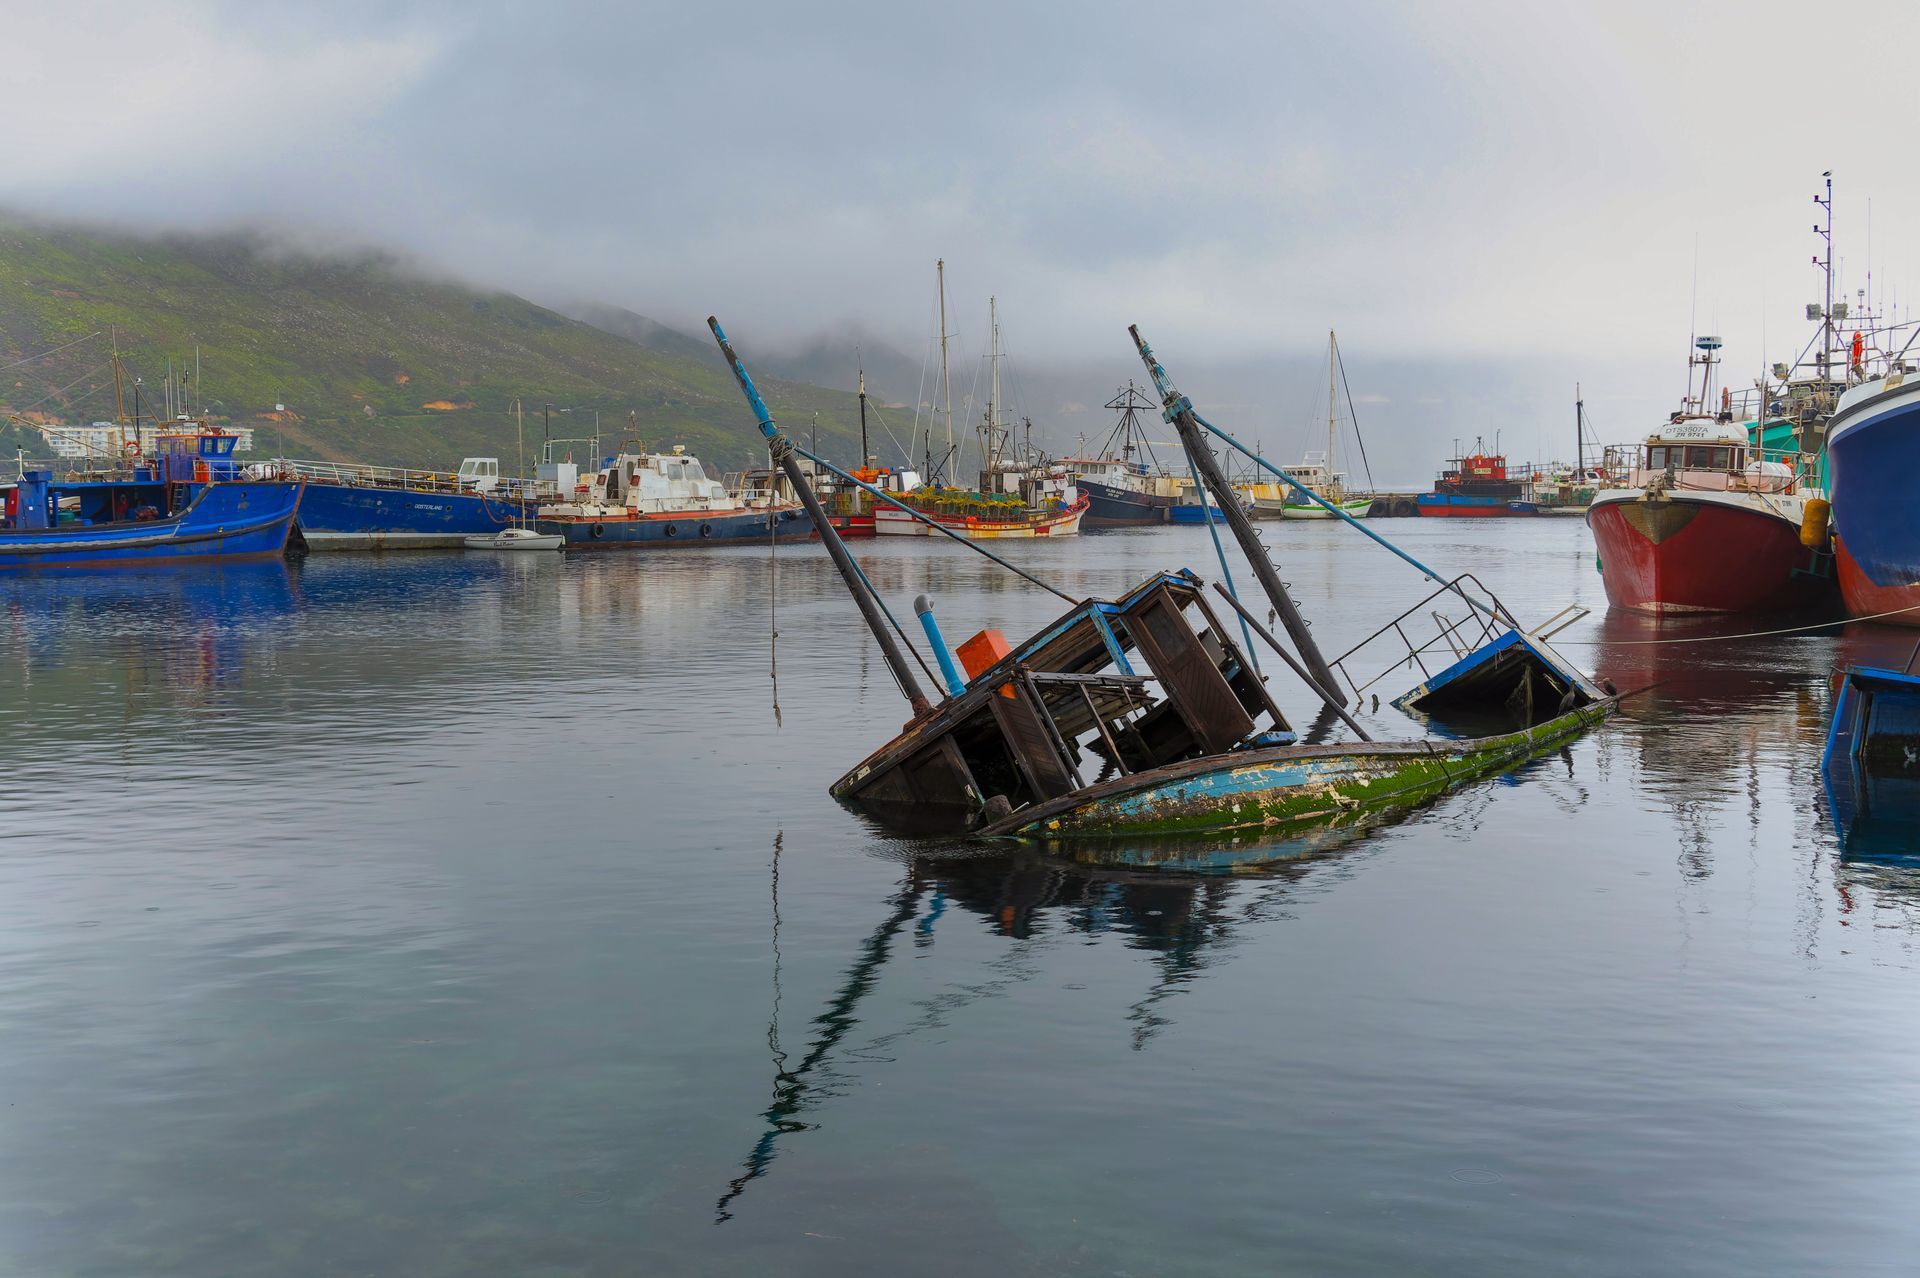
[1470, 186]
[189, 105]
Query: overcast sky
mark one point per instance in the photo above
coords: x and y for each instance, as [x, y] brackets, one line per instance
[1452, 182]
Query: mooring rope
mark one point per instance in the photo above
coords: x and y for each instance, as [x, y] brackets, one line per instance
[1751, 634]
[773, 658]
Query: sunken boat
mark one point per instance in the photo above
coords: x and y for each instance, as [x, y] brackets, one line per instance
[1142, 715]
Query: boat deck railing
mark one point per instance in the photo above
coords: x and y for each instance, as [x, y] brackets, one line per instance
[1477, 618]
[505, 487]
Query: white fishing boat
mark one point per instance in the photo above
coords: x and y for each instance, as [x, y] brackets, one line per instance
[514, 539]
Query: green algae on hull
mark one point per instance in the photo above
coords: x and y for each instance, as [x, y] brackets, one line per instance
[1287, 786]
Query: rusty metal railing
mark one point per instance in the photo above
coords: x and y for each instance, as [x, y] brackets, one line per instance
[1454, 636]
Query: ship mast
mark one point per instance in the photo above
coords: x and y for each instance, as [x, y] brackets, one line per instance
[865, 460]
[946, 385]
[1579, 434]
[993, 404]
[1331, 429]
[1826, 269]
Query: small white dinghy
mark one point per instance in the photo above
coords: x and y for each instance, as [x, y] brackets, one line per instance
[515, 539]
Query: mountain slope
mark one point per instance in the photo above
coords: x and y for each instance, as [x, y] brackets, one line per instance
[371, 360]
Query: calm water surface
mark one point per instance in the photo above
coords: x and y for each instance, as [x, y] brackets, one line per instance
[446, 915]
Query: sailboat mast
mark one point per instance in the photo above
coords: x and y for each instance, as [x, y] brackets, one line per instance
[520, 457]
[946, 384]
[993, 405]
[119, 409]
[865, 460]
[1331, 428]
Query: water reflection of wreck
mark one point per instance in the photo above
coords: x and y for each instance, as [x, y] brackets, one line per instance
[1185, 921]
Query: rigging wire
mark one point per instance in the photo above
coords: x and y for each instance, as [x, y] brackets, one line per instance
[94, 372]
[55, 351]
[937, 527]
[773, 658]
[1752, 634]
[1354, 417]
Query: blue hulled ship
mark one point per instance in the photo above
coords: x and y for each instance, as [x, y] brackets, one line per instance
[188, 501]
[354, 507]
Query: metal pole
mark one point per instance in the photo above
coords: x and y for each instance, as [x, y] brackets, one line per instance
[946, 384]
[781, 449]
[1178, 409]
[1579, 435]
[863, 419]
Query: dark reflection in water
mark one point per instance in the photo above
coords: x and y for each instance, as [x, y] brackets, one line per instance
[424, 915]
[1023, 895]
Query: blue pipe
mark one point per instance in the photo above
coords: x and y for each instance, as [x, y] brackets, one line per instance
[955, 684]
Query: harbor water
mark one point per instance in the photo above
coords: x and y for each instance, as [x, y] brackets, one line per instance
[444, 914]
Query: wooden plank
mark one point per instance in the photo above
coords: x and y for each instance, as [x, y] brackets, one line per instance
[1195, 686]
[1032, 745]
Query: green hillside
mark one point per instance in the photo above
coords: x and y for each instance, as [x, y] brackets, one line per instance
[355, 348]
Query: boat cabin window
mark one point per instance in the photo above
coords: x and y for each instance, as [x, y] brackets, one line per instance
[1693, 457]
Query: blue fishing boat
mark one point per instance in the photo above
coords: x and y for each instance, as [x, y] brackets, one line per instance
[190, 501]
[354, 507]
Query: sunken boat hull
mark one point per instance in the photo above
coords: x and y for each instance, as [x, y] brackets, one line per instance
[1009, 754]
[1287, 786]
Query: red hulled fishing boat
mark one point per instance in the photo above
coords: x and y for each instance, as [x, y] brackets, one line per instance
[1709, 521]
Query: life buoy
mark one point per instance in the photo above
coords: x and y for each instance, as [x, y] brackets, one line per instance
[598, 530]
[130, 450]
